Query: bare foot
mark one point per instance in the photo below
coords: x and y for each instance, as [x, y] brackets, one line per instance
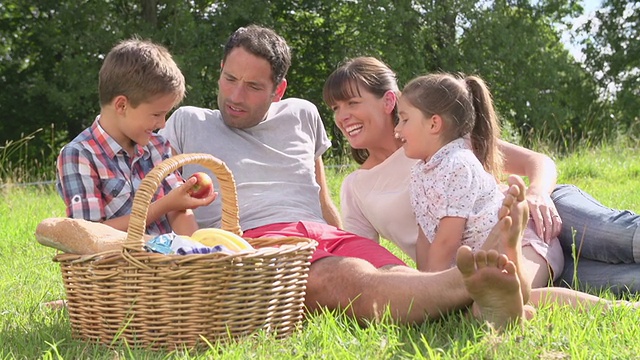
[495, 240]
[491, 280]
[55, 305]
[519, 213]
[507, 238]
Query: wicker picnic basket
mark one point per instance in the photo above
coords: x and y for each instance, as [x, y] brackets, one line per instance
[158, 301]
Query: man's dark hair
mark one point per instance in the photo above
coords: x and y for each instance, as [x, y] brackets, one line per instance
[265, 43]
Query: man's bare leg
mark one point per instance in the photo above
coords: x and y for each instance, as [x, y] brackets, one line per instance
[413, 296]
[364, 292]
[492, 282]
[557, 296]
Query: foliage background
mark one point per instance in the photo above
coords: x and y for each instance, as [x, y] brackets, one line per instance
[51, 51]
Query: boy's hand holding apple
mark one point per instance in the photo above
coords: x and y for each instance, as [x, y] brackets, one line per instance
[203, 186]
[196, 191]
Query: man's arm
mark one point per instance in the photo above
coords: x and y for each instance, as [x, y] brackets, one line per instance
[329, 210]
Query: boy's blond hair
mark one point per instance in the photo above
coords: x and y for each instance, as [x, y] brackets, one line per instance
[140, 70]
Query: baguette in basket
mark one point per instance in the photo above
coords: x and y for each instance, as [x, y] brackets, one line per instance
[82, 237]
[78, 236]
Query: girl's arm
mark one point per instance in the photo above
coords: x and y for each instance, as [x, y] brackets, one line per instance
[440, 254]
[423, 245]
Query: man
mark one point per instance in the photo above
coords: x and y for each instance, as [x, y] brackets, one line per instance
[274, 149]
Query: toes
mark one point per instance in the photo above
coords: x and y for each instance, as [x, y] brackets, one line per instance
[504, 210]
[516, 192]
[505, 223]
[465, 260]
[492, 258]
[510, 268]
[517, 182]
[507, 202]
[481, 259]
[512, 193]
[514, 179]
[529, 312]
[502, 261]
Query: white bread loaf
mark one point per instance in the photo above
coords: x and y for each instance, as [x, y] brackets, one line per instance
[77, 236]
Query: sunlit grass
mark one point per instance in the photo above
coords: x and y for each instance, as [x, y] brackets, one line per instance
[28, 277]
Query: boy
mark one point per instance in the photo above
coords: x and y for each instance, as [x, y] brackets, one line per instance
[99, 171]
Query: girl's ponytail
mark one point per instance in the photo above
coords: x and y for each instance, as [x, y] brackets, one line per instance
[486, 130]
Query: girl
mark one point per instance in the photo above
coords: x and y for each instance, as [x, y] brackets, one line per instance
[454, 192]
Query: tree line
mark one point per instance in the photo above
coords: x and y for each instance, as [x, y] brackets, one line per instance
[51, 51]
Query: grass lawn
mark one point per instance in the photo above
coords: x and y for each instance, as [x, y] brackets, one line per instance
[28, 277]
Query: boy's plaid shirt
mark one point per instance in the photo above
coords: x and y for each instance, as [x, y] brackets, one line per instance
[97, 179]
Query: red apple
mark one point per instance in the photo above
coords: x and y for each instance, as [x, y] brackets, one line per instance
[203, 187]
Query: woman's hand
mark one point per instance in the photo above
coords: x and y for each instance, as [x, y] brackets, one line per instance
[542, 174]
[544, 214]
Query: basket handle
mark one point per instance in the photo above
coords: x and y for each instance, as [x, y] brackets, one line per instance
[151, 181]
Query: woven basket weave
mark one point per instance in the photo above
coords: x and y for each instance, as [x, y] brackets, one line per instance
[159, 301]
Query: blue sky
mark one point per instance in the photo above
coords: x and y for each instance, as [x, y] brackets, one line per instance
[589, 7]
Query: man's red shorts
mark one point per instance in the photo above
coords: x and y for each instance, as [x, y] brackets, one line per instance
[331, 242]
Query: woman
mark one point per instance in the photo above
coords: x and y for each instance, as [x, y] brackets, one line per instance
[363, 94]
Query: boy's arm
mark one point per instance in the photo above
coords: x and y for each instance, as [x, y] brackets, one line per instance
[81, 189]
[155, 211]
[329, 210]
[177, 204]
[79, 184]
[183, 222]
